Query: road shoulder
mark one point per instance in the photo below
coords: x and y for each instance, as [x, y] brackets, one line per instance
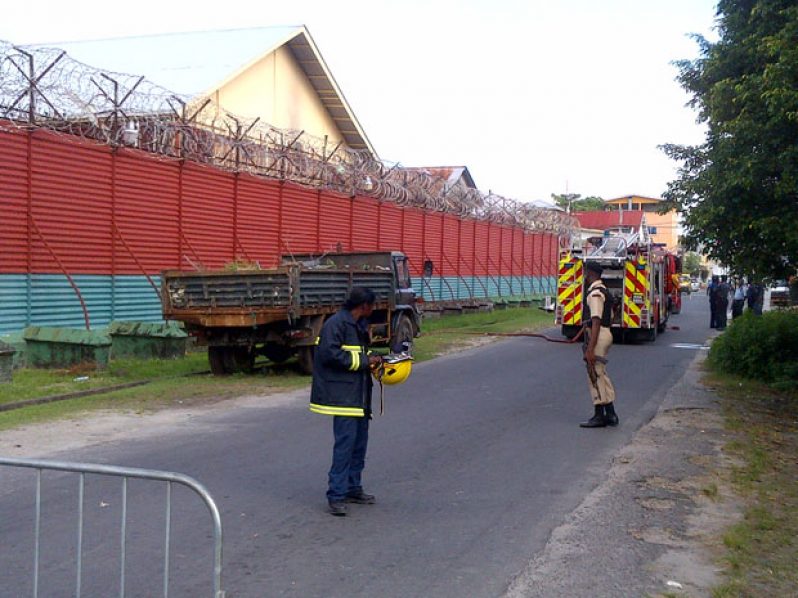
[649, 527]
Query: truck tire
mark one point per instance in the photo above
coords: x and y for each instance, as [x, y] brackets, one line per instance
[403, 332]
[305, 357]
[276, 353]
[238, 359]
[570, 332]
[216, 361]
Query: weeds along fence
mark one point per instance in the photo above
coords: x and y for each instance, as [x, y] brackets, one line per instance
[108, 179]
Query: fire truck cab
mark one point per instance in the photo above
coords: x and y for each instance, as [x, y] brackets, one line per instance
[638, 275]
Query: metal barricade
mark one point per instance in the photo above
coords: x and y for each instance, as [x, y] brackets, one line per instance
[125, 473]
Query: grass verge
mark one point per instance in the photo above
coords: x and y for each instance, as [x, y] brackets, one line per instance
[185, 381]
[760, 552]
[451, 333]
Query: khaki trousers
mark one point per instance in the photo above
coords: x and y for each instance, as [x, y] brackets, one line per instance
[605, 393]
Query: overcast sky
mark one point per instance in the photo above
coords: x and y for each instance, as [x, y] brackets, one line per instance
[534, 96]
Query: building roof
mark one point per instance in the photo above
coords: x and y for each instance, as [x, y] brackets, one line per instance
[634, 197]
[451, 174]
[610, 219]
[195, 64]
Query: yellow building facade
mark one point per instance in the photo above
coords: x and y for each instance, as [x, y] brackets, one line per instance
[665, 226]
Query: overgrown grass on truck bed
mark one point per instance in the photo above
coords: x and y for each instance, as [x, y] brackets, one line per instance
[186, 381]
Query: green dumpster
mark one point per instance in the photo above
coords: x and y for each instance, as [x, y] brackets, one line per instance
[6, 361]
[48, 347]
[147, 340]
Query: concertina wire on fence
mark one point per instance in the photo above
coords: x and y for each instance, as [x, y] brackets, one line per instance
[43, 88]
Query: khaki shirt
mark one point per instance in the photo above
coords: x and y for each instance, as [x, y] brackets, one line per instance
[595, 299]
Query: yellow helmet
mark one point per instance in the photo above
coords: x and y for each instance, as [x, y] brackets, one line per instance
[395, 368]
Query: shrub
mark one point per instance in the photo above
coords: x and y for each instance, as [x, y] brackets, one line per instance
[763, 348]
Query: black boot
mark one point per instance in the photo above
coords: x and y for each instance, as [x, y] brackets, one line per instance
[597, 421]
[609, 414]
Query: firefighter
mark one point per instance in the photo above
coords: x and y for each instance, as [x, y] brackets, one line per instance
[342, 388]
[597, 311]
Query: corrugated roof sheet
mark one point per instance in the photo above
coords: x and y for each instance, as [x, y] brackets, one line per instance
[451, 174]
[609, 219]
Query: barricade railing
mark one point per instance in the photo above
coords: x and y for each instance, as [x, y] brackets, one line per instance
[125, 473]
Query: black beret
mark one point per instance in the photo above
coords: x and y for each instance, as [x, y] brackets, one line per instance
[594, 267]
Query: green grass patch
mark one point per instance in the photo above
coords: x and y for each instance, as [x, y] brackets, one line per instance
[760, 552]
[169, 383]
[183, 382]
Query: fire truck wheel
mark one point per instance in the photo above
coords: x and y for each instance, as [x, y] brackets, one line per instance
[651, 334]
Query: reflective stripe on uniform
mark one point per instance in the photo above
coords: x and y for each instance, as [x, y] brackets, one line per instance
[355, 351]
[330, 410]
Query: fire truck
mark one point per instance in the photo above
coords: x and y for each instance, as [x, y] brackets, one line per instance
[638, 274]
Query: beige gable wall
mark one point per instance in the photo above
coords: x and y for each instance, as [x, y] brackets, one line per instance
[276, 89]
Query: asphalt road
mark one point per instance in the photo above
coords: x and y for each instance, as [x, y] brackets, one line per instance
[476, 460]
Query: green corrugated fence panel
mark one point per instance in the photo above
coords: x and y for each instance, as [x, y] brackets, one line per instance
[13, 302]
[483, 287]
[53, 302]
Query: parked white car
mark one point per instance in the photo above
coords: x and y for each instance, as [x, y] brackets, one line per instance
[695, 285]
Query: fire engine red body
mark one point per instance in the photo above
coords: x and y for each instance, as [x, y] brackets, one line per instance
[639, 275]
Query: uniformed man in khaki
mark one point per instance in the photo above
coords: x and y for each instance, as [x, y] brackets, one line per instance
[597, 318]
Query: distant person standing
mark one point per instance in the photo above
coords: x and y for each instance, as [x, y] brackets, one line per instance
[711, 288]
[721, 303]
[739, 299]
[756, 298]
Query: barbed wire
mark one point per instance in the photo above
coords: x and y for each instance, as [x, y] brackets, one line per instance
[44, 88]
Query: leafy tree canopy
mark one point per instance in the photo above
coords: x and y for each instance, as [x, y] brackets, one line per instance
[691, 263]
[738, 191]
[574, 202]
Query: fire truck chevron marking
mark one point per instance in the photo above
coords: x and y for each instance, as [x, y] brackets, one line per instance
[569, 290]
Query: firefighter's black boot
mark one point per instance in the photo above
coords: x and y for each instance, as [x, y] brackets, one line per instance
[609, 414]
[597, 421]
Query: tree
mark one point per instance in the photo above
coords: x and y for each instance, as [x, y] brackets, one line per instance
[574, 202]
[738, 191]
[692, 263]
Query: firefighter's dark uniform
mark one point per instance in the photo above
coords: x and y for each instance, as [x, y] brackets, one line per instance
[597, 302]
[342, 388]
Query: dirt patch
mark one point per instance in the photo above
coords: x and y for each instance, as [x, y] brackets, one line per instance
[98, 427]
